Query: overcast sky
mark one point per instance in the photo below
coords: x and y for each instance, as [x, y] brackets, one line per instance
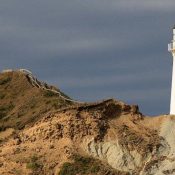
[93, 49]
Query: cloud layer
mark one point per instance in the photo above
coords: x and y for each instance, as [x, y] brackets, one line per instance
[93, 49]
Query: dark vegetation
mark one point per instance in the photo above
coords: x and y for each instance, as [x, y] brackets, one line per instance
[5, 80]
[2, 96]
[86, 166]
[4, 110]
[34, 164]
[49, 94]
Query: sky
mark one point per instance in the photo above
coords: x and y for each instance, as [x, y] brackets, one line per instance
[93, 49]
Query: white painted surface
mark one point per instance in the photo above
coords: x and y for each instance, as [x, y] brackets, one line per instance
[171, 48]
[7, 70]
[25, 71]
[173, 34]
[172, 103]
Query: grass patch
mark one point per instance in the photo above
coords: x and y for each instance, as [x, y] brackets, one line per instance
[7, 108]
[17, 172]
[2, 128]
[2, 96]
[2, 114]
[33, 104]
[87, 166]
[4, 110]
[55, 104]
[5, 80]
[49, 94]
[81, 165]
[48, 102]
[33, 163]
[1, 140]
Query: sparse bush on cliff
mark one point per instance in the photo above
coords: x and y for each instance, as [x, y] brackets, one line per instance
[2, 96]
[49, 94]
[33, 163]
[81, 165]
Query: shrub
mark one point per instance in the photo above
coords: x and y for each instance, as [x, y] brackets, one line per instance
[66, 169]
[81, 165]
[2, 114]
[1, 140]
[33, 163]
[49, 94]
[17, 171]
[5, 80]
[2, 128]
[5, 109]
[2, 96]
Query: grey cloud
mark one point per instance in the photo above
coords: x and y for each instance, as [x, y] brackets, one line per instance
[134, 4]
[124, 79]
[93, 49]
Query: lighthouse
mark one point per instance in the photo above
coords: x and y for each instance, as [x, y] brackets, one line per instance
[171, 48]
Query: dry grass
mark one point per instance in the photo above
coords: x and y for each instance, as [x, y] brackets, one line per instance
[22, 104]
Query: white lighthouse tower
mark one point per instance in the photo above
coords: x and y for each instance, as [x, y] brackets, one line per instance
[171, 48]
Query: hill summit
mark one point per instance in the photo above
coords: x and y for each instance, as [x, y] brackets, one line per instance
[45, 132]
[24, 99]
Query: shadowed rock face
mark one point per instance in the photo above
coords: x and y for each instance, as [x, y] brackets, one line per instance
[109, 137]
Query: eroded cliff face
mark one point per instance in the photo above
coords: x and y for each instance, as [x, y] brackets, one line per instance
[103, 138]
[118, 135]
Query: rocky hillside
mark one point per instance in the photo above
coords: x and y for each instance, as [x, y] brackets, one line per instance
[104, 138]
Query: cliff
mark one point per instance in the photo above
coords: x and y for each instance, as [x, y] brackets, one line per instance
[102, 138]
